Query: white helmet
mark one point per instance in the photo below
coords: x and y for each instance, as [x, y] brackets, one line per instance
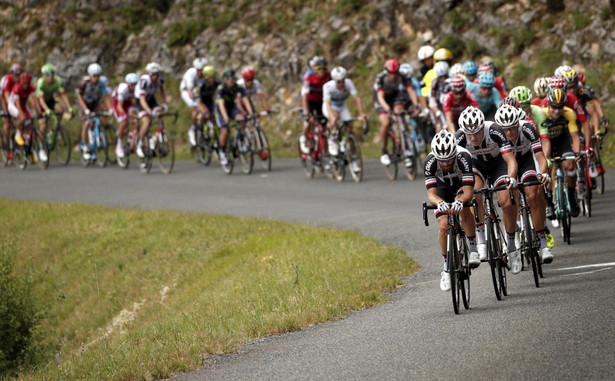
[507, 116]
[559, 72]
[425, 52]
[338, 73]
[406, 70]
[541, 86]
[94, 69]
[471, 120]
[444, 145]
[456, 69]
[441, 68]
[152, 68]
[199, 63]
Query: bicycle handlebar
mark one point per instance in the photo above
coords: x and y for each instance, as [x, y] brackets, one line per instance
[432, 207]
[521, 186]
[174, 114]
[559, 159]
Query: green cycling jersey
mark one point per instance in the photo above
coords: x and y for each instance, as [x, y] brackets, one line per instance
[48, 89]
[538, 116]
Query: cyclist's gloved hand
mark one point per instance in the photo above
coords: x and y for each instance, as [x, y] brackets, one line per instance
[87, 111]
[511, 182]
[457, 206]
[589, 151]
[545, 178]
[306, 116]
[48, 112]
[165, 107]
[443, 207]
[71, 110]
[424, 112]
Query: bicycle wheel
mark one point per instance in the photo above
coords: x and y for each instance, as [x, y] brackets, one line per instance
[123, 162]
[527, 246]
[19, 154]
[354, 158]
[201, 152]
[84, 162]
[61, 145]
[102, 147]
[599, 180]
[111, 136]
[565, 222]
[391, 169]
[306, 163]
[502, 264]
[338, 166]
[145, 162]
[453, 270]
[39, 147]
[493, 251]
[410, 156]
[464, 271]
[246, 155]
[165, 151]
[265, 150]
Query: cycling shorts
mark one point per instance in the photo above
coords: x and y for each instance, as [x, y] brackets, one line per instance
[188, 99]
[496, 170]
[129, 108]
[526, 168]
[448, 193]
[561, 146]
[342, 111]
[315, 107]
[151, 102]
[14, 111]
[392, 100]
[232, 114]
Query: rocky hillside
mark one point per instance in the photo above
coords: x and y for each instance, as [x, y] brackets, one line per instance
[526, 37]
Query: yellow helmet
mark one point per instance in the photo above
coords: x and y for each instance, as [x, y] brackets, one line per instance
[442, 54]
[209, 71]
[556, 98]
[570, 76]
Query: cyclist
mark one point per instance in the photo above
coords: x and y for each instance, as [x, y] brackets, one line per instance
[388, 95]
[603, 119]
[439, 87]
[46, 87]
[541, 87]
[6, 85]
[492, 157]
[455, 101]
[425, 55]
[145, 93]
[439, 55]
[23, 93]
[450, 184]
[586, 97]
[90, 93]
[560, 137]
[527, 147]
[189, 82]
[231, 104]
[252, 86]
[311, 97]
[470, 69]
[488, 100]
[500, 84]
[207, 92]
[406, 70]
[123, 106]
[335, 93]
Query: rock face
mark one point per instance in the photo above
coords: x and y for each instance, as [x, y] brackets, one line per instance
[279, 38]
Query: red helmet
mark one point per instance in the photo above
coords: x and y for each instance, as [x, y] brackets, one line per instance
[392, 65]
[581, 78]
[25, 77]
[484, 68]
[458, 84]
[247, 73]
[557, 82]
[509, 101]
[16, 68]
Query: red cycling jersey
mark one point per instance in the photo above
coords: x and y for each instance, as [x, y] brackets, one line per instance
[7, 83]
[21, 94]
[571, 102]
[312, 85]
[450, 104]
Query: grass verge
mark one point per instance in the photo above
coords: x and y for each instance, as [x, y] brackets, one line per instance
[133, 294]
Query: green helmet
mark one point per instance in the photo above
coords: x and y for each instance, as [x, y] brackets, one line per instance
[48, 69]
[209, 71]
[521, 93]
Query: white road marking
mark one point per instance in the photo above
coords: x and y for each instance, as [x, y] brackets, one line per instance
[588, 272]
[587, 266]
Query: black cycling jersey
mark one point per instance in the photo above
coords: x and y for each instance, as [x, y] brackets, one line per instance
[207, 94]
[229, 95]
[492, 147]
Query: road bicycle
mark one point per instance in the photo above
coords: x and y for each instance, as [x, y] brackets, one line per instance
[495, 240]
[401, 148]
[317, 160]
[97, 142]
[561, 202]
[158, 144]
[349, 153]
[457, 257]
[238, 147]
[58, 138]
[596, 169]
[258, 139]
[206, 136]
[129, 142]
[30, 151]
[530, 243]
[584, 185]
[421, 130]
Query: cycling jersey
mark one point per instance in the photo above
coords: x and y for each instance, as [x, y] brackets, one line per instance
[437, 92]
[585, 95]
[537, 116]
[91, 93]
[207, 93]
[146, 87]
[7, 83]
[190, 79]
[572, 102]
[257, 87]
[229, 95]
[450, 104]
[562, 126]
[47, 90]
[338, 96]
[449, 184]
[488, 104]
[384, 84]
[426, 82]
[20, 94]
[537, 101]
[526, 146]
[122, 94]
[312, 85]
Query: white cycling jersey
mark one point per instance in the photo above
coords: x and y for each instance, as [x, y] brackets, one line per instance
[337, 96]
[122, 93]
[145, 86]
[190, 79]
[257, 87]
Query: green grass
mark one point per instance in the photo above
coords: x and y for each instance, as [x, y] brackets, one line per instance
[133, 294]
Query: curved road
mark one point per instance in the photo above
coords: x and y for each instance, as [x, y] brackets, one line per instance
[563, 330]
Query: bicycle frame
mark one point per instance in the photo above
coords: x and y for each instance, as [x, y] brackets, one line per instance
[561, 202]
[530, 243]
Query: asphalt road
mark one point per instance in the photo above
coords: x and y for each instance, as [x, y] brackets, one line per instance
[562, 330]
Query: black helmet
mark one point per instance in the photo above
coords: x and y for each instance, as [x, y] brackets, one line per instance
[556, 97]
[228, 74]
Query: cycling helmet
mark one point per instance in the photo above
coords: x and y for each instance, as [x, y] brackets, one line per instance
[509, 101]
[228, 74]
[48, 69]
[25, 77]
[131, 78]
[444, 145]
[556, 97]
[507, 116]
[486, 79]
[16, 68]
[392, 65]
[441, 69]
[199, 63]
[247, 73]
[471, 68]
[557, 82]
[561, 69]
[406, 70]
[521, 93]
[338, 73]
[483, 68]
[94, 69]
[456, 69]
[494, 68]
[570, 76]
[541, 86]
[582, 78]
[209, 71]
[471, 120]
[458, 84]
[153, 68]
[425, 52]
[318, 61]
[442, 54]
